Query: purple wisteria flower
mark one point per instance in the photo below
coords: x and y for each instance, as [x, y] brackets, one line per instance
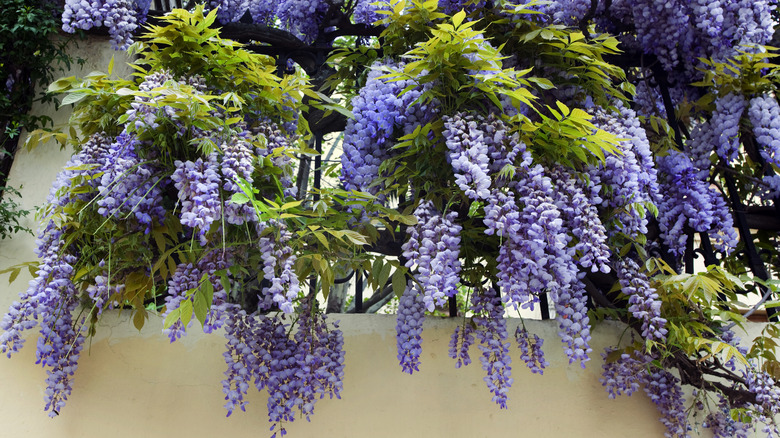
[577, 204]
[764, 113]
[277, 147]
[722, 425]
[644, 303]
[229, 11]
[531, 350]
[188, 278]
[119, 16]
[411, 313]
[629, 178]
[691, 201]
[237, 162]
[767, 404]
[622, 375]
[198, 183]
[145, 109]
[128, 186]
[102, 289]
[51, 298]
[433, 248]
[302, 18]
[626, 373]
[296, 371]
[378, 109]
[468, 154]
[495, 359]
[460, 342]
[278, 262]
[725, 125]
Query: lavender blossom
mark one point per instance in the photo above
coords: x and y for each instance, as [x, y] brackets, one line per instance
[629, 179]
[693, 202]
[531, 350]
[119, 16]
[277, 148]
[626, 373]
[460, 342]
[489, 316]
[237, 162]
[186, 279]
[623, 374]
[764, 115]
[644, 303]
[379, 108]
[578, 210]
[434, 247]
[229, 10]
[468, 154]
[198, 184]
[278, 262]
[725, 124]
[129, 186]
[411, 313]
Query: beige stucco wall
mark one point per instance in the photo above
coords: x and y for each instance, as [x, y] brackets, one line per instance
[132, 384]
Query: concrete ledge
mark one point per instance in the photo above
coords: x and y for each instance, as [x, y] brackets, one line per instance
[132, 384]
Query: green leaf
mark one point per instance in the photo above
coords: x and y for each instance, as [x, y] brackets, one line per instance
[206, 290]
[185, 311]
[355, 237]
[384, 275]
[201, 308]
[61, 84]
[140, 314]
[399, 282]
[172, 317]
[543, 83]
[322, 239]
[239, 198]
[289, 205]
[457, 19]
[14, 274]
[74, 97]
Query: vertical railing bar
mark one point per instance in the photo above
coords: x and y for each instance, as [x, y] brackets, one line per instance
[707, 251]
[754, 260]
[313, 284]
[317, 165]
[453, 306]
[359, 292]
[689, 252]
[544, 306]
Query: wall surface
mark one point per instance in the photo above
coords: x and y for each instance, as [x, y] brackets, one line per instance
[132, 384]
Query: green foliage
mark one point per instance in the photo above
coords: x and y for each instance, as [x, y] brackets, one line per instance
[31, 53]
[458, 64]
[694, 305]
[11, 213]
[752, 73]
[241, 88]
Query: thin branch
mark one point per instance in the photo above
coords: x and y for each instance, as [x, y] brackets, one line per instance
[583, 24]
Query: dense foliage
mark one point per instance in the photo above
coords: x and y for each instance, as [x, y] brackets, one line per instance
[30, 56]
[561, 156]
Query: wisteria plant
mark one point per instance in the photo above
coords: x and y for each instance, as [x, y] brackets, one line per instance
[561, 156]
